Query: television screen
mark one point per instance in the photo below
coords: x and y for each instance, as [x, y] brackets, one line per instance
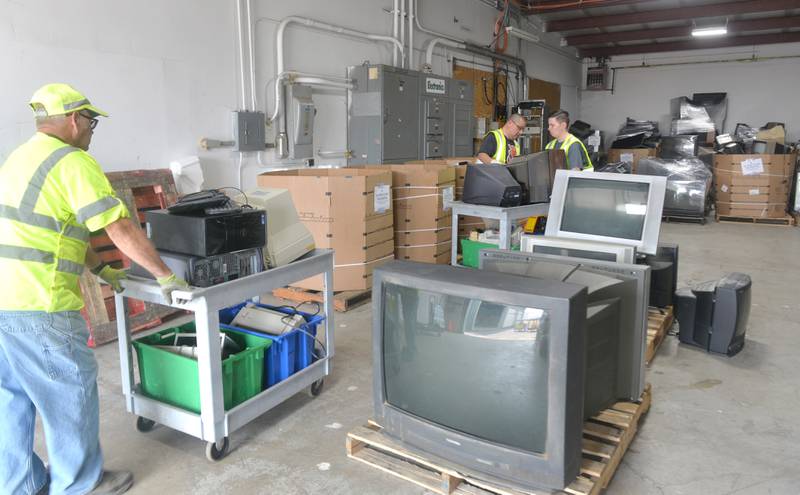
[607, 208]
[616, 208]
[431, 345]
[484, 371]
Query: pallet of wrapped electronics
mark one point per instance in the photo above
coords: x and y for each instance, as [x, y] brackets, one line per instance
[606, 438]
[140, 190]
[753, 186]
[348, 210]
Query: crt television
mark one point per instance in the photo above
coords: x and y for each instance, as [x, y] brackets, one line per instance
[617, 208]
[491, 185]
[535, 173]
[603, 251]
[486, 371]
[713, 315]
[604, 280]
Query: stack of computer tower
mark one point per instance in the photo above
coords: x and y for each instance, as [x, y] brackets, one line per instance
[208, 246]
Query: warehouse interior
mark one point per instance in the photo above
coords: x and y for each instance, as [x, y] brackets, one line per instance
[345, 142]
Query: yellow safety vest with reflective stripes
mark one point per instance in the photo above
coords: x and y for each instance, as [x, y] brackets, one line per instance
[502, 146]
[566, 145]
[51, 196]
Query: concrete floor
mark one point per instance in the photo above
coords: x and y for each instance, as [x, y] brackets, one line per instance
[717, 425]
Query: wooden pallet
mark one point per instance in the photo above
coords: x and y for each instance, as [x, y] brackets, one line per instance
[682, 219]
[606, 438]
[342, 301]
[787, 220]
[659, 321]
[140, 190]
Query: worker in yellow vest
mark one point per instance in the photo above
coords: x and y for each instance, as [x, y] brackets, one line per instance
[575, 151]
[500, 145]
[53, 194]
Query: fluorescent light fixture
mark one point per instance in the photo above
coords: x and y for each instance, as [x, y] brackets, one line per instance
[519, 33]
[710, 31]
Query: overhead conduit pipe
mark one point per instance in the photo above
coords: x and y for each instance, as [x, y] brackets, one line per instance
[317, 25]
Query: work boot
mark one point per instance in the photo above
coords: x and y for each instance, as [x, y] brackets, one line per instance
[113, 483]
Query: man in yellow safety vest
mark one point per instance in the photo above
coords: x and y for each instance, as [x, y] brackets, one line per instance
[53, 194]
[500, 145]
[575, 151]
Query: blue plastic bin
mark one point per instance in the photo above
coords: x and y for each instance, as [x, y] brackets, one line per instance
[290, 352]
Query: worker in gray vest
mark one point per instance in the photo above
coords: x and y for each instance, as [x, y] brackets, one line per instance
[500, 145]
[575, 151]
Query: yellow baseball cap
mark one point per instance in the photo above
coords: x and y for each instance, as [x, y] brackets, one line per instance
[60, 99]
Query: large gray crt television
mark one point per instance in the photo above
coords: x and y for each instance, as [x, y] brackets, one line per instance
[485, 371]
[617, 208]
[633, 325]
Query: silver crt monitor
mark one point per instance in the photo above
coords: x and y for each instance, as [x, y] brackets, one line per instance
[616, 208]
[633, 342]
[578, 248]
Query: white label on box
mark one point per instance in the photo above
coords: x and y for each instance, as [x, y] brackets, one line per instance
[383, 198]
[724, 188]
[754, 192]
[752, 166]
[626, 157]
[447, 196]
[435, 86]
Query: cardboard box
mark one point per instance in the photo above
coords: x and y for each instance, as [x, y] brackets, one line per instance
[356, 277]
[759, 210]
[754, 165]
[422, 237]
[630, 155]
[438, 253]
[347, 210]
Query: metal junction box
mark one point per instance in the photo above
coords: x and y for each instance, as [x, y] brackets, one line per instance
[397, 115]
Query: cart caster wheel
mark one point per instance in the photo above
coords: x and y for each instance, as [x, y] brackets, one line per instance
[316, 388]
[213, 453]
[144, 425]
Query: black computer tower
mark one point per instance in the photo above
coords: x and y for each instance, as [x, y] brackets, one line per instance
[198, 234]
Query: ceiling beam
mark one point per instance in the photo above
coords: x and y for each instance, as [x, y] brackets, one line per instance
[675, 14]
[694, 44]
[550, 6]
[681, 31]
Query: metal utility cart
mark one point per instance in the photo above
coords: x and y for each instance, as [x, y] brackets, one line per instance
[505, 215]
[214, 424]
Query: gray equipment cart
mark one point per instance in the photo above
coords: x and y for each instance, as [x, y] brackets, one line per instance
[214, 424]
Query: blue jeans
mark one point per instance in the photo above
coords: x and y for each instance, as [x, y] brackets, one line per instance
[47, 367]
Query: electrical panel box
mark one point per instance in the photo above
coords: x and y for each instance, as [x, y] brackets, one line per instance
[533, 136]
[300, 121]
[397, 115]
[249, 131]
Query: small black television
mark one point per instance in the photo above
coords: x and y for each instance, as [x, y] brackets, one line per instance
[713, 315]
[484, 370]
[491, 185]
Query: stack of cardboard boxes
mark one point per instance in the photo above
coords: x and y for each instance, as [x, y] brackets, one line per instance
[754, 186]
[347, 210]
[422, 219]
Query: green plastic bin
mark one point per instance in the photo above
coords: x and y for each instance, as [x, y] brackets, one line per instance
[173, 378]
[471, 249]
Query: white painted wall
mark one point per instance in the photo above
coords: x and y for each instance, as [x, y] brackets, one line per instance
[167, 72]
[758, 91]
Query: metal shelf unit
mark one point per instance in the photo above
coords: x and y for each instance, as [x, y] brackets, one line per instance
[504, 215]
[214, 424]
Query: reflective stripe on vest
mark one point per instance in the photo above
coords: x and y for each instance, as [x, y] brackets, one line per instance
[566, 145]
[25, 214]
[502, 146]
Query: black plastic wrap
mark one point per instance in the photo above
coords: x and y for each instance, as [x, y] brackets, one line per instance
[688, 184]
[675, 147]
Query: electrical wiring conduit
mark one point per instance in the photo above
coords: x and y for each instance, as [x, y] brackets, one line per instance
[318, 25]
